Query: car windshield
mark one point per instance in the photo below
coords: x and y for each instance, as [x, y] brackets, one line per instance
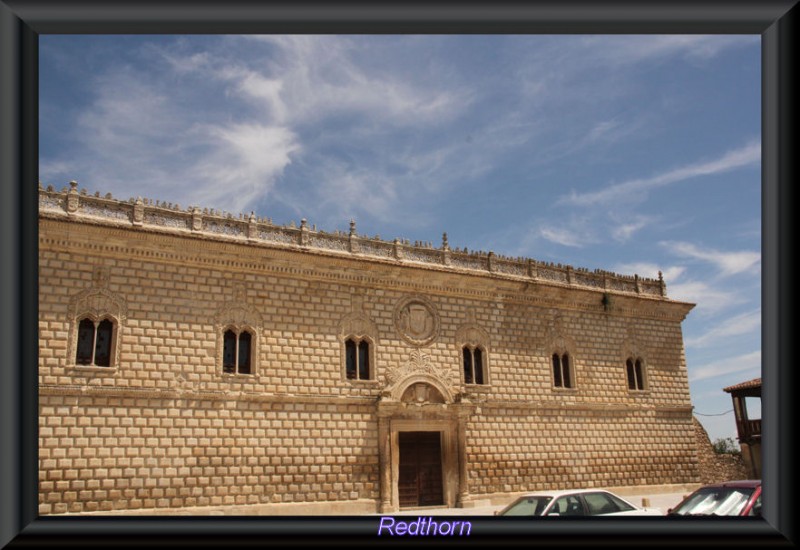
[717, 501]
[527, 506]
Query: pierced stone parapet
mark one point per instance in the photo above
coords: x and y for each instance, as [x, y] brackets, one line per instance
[157, 218]
[520, 269]
[466, 262]
[423, 255]
[159, 215]
[370, 247]
[584, 278]
[552, 273]
[623, 285]
[49, 202]
[277, 235]
[225, 227]
[329, 242]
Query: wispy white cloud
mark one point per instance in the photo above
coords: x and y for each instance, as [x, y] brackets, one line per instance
[710, 299]
[748, 362]
[711, 296]
[349, 191]
[246, 162]
[623, 231]
[586, 228]
[745, 323]
[185, 63]
[602, 129]
[264, 91]
[50, 170]
[627, 50]
[135, 127]
[564, 236]
[234, 153]
[127, 112]
[636, 190]
[319, 76]
[728, 263]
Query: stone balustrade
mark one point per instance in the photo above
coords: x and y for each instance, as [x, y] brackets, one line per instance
[251, 228]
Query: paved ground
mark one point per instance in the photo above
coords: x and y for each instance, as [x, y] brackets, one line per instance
[662, 501]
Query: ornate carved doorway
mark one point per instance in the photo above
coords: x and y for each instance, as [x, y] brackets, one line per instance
[420, 481]
[422, 422]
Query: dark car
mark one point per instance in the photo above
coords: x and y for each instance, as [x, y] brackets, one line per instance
[731, 498]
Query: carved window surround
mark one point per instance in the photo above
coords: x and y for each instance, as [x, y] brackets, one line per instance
[476, 340]
[96, 304]
[358, 328]
[561, 346]
[238, 316]
[634, 357]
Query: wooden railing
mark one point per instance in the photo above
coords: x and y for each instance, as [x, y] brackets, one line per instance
[749, 429]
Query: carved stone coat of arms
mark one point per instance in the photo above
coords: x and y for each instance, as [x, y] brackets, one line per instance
[416, 321]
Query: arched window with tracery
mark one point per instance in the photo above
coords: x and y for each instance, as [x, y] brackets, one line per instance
[473, 364]
[357, 358]
[635, 371]
[563, 375]
[237, 351]
[95, 342]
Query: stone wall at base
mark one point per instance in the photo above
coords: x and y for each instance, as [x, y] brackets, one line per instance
[714, 467]
[119, 452]
[533, 450]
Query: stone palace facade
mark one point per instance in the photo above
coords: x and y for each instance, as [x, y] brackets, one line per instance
[193, 358]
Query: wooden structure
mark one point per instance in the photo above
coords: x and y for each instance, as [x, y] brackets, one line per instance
[749, 430]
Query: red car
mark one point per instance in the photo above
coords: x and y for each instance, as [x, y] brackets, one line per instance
[731, 498]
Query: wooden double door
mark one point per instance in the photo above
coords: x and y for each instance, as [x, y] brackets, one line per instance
[420, 481]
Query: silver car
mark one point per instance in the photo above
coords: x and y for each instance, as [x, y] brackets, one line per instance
[577, 502]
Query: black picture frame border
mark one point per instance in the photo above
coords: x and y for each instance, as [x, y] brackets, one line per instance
[21, 21]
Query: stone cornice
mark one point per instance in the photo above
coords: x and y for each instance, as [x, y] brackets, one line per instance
[525, 407]
[338, 269]
[549, 407]
[193, 395]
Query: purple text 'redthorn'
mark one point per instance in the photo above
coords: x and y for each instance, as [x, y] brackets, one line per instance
[424, 527]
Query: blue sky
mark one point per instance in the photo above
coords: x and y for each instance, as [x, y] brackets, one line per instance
[627, 153]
